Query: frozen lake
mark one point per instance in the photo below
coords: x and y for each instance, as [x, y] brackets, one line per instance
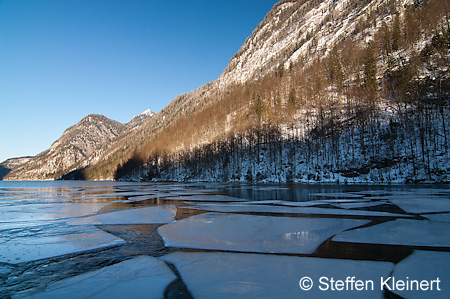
[72, 239]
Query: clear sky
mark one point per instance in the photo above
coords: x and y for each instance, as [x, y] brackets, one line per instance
[61, 60]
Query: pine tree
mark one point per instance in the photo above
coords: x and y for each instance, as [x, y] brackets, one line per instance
[396, 34]
[292, 100]
[258, 105]
[370, 72]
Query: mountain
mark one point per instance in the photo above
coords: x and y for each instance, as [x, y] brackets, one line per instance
[136, 120]
[8, 165]
[84, 140]
[322, 91]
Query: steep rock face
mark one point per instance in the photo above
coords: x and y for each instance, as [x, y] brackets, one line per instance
[8, 165]
[78, 146]
[296, 31]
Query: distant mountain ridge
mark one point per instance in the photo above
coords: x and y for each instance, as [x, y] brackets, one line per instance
[10, 164]
[78, 147]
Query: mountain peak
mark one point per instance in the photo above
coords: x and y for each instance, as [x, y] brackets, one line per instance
[139, 118]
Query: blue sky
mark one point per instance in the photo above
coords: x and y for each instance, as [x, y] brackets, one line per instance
[61, 60]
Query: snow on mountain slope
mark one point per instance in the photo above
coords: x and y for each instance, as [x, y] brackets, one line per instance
[70, 151]
[139, 118]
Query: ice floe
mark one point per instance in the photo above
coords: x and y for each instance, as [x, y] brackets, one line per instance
[309, 203]
[33, 212]
[423, 266]
[234, 208]
[149, 215]
[401, 232]
[336, 195]
[206, 197]
[140, 277]
[265, 202]
[421, 204]
[444, 217]
[238, 275]
[248, 233]
[143, 197]
[19, 247]
[357, 205]
[372, 193]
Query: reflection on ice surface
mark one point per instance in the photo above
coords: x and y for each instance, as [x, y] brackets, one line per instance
[19, 248]
[237, 275]
[246, 233]
[401, 232]
[140, 277]
[424, 265]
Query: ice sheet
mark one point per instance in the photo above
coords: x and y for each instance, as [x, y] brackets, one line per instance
[248, 233]
[401, 232]
[44, 243]
[237, 275]
[425, 265]
[310, 203]
[150, 215]
[142, 197]
[372, 193]
[444, 217]
[206, 197]
[140, 277]
[33, 212]
[336, 195]
[421, 204]
[356, 205]
[303, 203]
[264, 202]
[234, 208]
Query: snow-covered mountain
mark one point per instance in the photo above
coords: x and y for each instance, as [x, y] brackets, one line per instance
[78, 146]
[136, 120]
